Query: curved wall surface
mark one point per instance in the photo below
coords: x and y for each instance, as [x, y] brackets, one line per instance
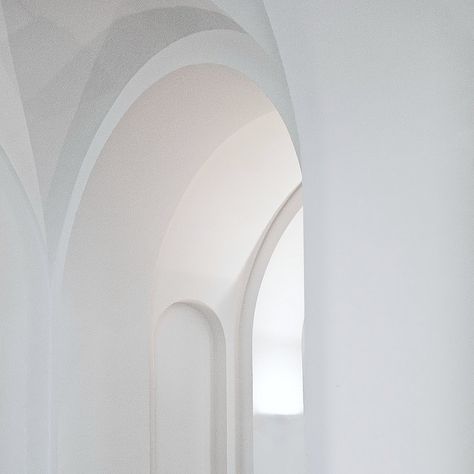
[168, 141]
[190, 392]
[24, 332]
[210, 244]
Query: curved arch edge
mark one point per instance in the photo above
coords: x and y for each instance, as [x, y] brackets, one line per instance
[218, 390]
[261, 258]
[231, 49]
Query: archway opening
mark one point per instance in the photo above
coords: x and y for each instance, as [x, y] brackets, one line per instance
[209, 162]
[249, 185]
[278, 432]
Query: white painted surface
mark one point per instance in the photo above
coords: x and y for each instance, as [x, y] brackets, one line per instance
[177, 212]
[387, 138]
[278, 328]
[382, 94]
[209, 246]
[185, 392]
[277, 375]
[24, 332]
[279, 444]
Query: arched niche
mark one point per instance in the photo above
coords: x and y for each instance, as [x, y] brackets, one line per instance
[189, 392]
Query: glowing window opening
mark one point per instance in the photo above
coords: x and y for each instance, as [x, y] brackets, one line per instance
[278, 325]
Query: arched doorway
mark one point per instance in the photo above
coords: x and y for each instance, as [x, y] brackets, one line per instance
[206, 161]
[250, 184]
[277, 367]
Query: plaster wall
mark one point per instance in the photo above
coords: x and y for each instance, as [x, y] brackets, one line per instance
[285, 432]
[24, 332]
[209, 247]
[190, 390]
[382, 97]
[382, 94]
[185, 152]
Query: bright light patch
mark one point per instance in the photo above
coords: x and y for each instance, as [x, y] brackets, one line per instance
[278, 325]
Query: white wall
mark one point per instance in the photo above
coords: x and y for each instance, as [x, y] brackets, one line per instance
[190, 390]
[173, 147]
[210, 245]
[278, 444]
[24, 332]
[383, 94]
[105, 322]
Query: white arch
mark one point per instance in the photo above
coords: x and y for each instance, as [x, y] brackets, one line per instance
[218, 386]
[222, 47]
[220, 88]
[262, 256]
[216, 269]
